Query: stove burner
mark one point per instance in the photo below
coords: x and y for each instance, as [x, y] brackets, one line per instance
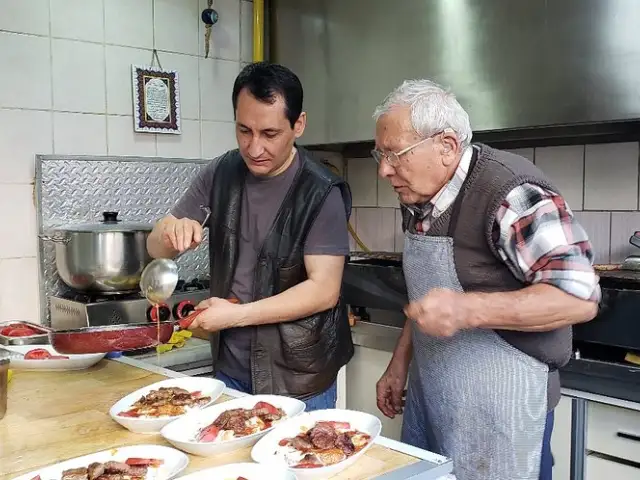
[183, 286]
[193, 285]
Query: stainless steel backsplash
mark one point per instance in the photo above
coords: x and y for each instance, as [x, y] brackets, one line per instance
[77, 189]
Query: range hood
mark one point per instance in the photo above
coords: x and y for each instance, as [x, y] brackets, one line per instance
[512, 64]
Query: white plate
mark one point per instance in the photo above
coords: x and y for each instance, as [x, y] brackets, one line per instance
[209, 387]
[264, 451]
[174, 462]
[250, 471]
[74, 362]
[182, 432]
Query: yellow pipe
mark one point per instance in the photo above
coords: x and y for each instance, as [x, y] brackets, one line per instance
[258, 30]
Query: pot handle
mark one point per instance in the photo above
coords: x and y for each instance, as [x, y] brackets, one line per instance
[55, 239]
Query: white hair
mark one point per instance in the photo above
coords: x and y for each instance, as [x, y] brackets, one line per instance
[433, 109]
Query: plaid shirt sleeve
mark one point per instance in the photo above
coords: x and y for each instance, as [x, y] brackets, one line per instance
[539, 239]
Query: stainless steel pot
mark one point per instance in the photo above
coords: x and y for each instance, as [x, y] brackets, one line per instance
[104, 257]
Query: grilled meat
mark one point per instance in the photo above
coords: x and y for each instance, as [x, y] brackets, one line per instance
[166, 401]
[75, 474]
[326, 443]
[107, 471]
[241, 421]
[323, 436]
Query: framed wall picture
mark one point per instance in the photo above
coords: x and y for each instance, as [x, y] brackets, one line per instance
[156, 100]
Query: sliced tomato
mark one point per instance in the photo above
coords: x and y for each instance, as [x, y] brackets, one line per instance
[130, 413]
[209, 434]
[270, 408]
[37, 477]
[196, 394]
[18, 331]
[37, 354]
[284, 442]
[5, 331]
[58, 357]
[144, 462]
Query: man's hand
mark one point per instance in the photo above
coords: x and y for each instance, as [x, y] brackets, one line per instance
[440, 313]
[390, 390]
[218, 314]
[180, 234]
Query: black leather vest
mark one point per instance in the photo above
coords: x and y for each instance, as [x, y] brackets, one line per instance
[300, 358]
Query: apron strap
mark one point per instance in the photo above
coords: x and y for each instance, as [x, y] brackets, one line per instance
[457, 205]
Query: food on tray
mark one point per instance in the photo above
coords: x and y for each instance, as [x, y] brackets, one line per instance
[42, 354]
[166, 402]
[130, 469]
[19, 330]
[240, 422]
[324, 444]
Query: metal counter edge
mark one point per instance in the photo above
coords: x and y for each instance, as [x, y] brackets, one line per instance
[414, 471]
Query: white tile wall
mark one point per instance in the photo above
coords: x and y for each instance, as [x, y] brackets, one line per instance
[78, 20]
[362, 175]
[565, 168]
[16, 18]
[599, 182]
[611, 176]
[78, 76]
[65, 88]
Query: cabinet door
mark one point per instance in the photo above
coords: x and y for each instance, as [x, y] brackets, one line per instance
[614, 431]
[561, 440]
[599, 468]
[363, 371]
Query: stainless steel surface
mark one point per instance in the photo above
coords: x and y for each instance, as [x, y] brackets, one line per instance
[511, 64]
[578, 438]
[76, 189]
[41, 339]
[4, 382]
[376, 336]
[160, 277]
[69, 314]
[631, 263]
[104, 257]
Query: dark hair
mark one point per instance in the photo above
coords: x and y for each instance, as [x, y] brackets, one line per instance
[265, 81]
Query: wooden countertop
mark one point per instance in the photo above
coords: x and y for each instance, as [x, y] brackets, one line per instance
[53, 416]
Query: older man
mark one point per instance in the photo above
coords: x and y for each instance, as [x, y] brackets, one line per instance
[497, 271]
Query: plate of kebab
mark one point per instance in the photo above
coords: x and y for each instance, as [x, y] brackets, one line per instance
[230, 425]
[139, 462]
[318, 444]
[150, 408]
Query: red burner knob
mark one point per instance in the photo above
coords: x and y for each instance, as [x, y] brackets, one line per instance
[183, 309]
[160, 312]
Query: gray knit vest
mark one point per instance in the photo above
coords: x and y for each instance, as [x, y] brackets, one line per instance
[470, 222]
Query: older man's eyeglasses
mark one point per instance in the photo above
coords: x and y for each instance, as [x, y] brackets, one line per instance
[393, 158]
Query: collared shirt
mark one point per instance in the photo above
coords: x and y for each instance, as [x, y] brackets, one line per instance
[535, 232]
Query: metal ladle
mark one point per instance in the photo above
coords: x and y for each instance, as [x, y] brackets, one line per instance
[159, 279]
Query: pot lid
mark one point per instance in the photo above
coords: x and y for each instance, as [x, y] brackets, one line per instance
[109, 223]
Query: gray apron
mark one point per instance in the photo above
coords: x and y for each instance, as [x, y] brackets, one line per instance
[472, 397]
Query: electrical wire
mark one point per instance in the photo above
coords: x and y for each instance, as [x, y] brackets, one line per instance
[352, 231]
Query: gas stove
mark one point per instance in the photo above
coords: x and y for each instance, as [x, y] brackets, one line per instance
[78, 310]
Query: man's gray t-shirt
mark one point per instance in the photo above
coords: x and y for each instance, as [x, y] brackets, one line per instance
[261, 201]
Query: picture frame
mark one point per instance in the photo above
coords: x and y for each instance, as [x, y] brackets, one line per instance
[156, 100]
